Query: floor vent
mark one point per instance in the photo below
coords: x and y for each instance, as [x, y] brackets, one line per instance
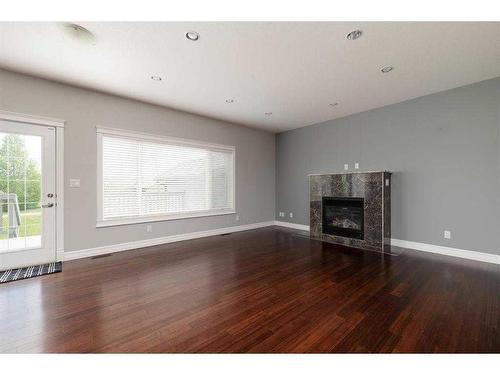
[101, 256]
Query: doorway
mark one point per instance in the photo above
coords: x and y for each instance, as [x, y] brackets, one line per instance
[27, 194]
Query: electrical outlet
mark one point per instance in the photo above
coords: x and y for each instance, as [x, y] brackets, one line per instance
[356, 165]
[237, 218]
[346, 167]
[149, 228]
[447, 234]
[291, 215]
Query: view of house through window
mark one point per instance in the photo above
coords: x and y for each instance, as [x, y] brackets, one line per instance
[143, 178]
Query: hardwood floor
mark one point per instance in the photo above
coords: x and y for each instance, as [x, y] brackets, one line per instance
[266, 290]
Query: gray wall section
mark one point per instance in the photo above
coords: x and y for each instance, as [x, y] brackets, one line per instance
[443, 148]
[444, 151]
[84, 109]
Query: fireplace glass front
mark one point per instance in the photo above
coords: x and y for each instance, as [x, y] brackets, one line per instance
[343, 217]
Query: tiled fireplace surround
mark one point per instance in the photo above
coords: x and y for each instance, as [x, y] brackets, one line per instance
[374, 188]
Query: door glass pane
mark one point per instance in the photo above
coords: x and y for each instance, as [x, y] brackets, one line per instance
[20, 192]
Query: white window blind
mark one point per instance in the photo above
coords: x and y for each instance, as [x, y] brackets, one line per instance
[145, 178]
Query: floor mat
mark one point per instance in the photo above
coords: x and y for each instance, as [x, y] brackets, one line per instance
[31, 271]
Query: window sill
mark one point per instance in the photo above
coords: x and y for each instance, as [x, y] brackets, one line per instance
[155, 218]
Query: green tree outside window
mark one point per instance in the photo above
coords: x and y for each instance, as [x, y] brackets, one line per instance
[19, 174]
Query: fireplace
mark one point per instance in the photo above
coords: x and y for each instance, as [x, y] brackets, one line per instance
[352, 209]
[343, 217]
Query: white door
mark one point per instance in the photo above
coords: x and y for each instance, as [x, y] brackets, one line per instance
[27, 195]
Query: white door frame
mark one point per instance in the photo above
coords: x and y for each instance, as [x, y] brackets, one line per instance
[59, 126]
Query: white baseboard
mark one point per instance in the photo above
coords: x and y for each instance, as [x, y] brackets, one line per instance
[443, 250]
[450, 251]
[77, 254]
[292, 225]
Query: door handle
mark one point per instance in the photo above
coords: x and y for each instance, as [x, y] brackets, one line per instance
[48, 205]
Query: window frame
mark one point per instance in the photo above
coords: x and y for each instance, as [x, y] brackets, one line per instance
[117, 133]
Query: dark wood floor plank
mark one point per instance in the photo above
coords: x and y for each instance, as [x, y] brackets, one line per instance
[262, 291]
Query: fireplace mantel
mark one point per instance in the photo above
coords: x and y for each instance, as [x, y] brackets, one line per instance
[345, 173]
[375, 190]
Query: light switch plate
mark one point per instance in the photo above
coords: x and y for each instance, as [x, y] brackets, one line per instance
[356, 165]
[346, 167]
[74, 182]
[447, 234]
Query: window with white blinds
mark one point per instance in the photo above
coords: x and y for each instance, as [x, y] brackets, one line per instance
[148, 178]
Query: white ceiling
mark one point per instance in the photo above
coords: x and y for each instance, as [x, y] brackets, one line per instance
[293, 69]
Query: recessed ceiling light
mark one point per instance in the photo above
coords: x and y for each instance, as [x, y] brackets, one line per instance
[334, 104]
[79, 33]
[268, 113]
[192, 35]
[355, 34]
[156, 78]
[229, 100]
[387, 69]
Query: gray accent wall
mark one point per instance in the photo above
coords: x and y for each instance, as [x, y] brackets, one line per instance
[84, 109]
[443, 149]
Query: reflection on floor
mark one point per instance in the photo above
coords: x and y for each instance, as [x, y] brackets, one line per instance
[262, 291]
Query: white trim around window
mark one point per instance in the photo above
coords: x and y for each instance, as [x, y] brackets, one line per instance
[155, 140]
[30, 119]
[161, 139]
